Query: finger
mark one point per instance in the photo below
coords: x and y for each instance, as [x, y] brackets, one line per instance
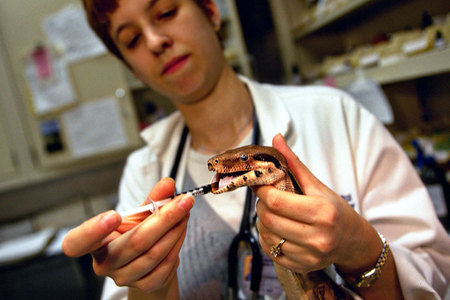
[145, 263]
[287, 249]
[162, 190]
[299, 258]
[291, 257]
[272, 237]
[165, 271]
[142, 237]
[300, 208]
[308, 183]
[129, 222]
[290, 228]
[91, 234]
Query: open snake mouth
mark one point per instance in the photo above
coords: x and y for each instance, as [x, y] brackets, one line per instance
[226, 181]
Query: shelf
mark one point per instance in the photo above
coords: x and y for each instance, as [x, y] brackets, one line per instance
[421, 65]
[86, 165]
[329, 17]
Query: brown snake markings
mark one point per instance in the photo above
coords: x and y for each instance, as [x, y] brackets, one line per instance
[260, 165]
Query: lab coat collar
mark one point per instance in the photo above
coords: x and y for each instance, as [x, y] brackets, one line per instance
[271, 111]
[159, 135]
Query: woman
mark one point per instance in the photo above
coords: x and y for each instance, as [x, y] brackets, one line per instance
[172, 46]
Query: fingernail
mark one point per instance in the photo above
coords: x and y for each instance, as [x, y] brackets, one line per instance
[109, 220]
[186, 202]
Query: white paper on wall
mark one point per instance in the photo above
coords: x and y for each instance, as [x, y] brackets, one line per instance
[50, 94]
[69, 32]
[94, 127]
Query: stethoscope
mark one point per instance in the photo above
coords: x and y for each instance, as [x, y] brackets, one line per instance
[244, 235]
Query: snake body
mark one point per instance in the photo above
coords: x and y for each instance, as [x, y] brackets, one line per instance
[260, 165]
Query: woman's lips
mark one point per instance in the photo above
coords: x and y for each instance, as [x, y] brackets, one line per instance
[175, 64]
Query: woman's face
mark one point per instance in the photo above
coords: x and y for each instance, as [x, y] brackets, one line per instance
[171, 45]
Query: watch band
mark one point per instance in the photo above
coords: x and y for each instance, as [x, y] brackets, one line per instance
[369, 277]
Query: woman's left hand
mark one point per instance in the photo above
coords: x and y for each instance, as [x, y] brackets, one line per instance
[319, 227]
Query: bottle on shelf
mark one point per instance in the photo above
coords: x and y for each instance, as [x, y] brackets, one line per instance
[434, 178]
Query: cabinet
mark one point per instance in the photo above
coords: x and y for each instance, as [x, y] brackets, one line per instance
[233, 40]
[15, 158]
[330, 40]
[41, 145]
[6, 155]
[315, 32]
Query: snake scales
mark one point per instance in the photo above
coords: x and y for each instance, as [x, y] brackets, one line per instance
[260, 165]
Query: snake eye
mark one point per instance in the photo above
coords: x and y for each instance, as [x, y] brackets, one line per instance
[244, 157]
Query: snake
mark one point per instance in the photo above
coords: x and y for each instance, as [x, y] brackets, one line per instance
[262, 165]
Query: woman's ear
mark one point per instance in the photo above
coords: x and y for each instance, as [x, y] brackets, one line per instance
[213, 14]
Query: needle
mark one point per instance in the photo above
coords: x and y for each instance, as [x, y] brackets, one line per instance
[154, 205]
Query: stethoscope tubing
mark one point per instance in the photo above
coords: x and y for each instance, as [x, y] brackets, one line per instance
[244, 234]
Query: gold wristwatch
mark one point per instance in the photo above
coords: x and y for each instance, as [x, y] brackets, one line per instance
[369, 277]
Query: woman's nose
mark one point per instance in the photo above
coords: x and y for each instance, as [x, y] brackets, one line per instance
[156, 40]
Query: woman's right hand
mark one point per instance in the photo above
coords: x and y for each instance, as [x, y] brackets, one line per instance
[144, 257]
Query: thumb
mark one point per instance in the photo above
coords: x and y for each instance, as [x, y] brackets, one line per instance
[308, 183]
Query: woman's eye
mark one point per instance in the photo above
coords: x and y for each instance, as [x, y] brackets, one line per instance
[133, 42]
[167, 14]
[129, 39]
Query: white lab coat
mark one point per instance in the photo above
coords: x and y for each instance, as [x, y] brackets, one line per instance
[348, 150]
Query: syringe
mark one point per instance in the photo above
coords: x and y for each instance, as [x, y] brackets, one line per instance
[154, 205]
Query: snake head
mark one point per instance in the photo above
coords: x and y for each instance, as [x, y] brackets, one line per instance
[246, 166]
